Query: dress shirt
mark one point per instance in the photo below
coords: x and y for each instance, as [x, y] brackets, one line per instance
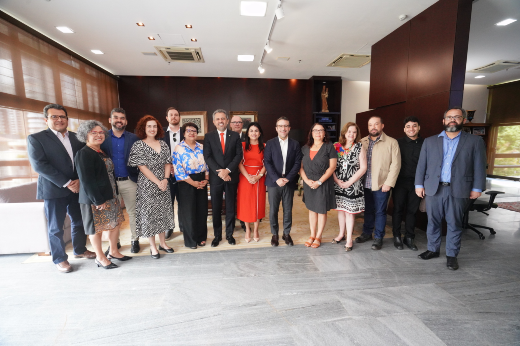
[118, 156]
[65, 140]
[177, 134]
[368, 175]
[410, 152]
[187, 161]
[284, 144]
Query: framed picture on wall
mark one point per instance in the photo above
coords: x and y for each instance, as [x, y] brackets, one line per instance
[247, 117]
[479, 131]
[198, 118]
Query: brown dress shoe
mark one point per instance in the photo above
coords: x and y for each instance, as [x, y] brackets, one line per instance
[274, 240]
[87, 254]
[64, 267]
[288, 239]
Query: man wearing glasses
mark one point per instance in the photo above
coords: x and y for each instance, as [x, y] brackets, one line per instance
[51, 153]
[450, 172]
[173, 135]
[237, 125]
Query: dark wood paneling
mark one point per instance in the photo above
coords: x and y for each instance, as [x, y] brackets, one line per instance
[460, 53]
[392, 118]
[430, 110]
[388, 68]
[504, 103]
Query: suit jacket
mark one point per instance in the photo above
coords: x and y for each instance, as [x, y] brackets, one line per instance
[215, 159]
[94, 183]
[50, 160]
[130, 139]
[468, 170]
[242, 136]
[273, 161]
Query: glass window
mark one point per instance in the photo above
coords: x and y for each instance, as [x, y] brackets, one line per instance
[507, 155]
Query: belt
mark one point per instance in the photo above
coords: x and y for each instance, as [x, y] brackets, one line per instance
[121, 178]
[444, 184]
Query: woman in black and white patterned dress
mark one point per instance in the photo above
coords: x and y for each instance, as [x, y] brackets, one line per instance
[154, 210]
[348, 187]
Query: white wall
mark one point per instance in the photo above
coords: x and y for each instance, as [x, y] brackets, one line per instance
[476, 98]
[354, 100]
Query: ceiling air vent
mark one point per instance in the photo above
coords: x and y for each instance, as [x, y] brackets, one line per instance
[149, 53]
[496, 66]
[350, 61]
[180, 54]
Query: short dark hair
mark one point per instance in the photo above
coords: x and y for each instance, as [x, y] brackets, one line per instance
[170, 108]
[117, 110]
[260, 138]
[310, 140]
[463, 111]
[282, 118]
[412, 119]
[189, 125]
[54, 106]
[140, 129]
[376, 116]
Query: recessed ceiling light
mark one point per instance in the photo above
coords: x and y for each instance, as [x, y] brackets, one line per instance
[96, 51]
[140, 24]
[151, 38]
[253, 8]
[246, 58]
[65, 30]
[506, 22]
[480, 76]
[188, 26]
[193, 40]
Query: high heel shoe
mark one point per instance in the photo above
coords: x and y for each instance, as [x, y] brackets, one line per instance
[124, 258]
[155, 256]
[334, 241]
[247, 239]
[166, 250]
[256, 239]
[349, 248]
[108, 266]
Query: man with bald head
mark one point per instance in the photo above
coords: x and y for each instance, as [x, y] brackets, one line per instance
[237, 125]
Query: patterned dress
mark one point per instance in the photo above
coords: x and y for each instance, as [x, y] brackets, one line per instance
[154, 209]
[352, 199]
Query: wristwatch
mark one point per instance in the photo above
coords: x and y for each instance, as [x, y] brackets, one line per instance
[319, 182]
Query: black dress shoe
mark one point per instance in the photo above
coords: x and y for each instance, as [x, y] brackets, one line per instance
[108, 266]
[378, 244]
[215, 242]
[124, 258]
[410, 242]
[398, 243]
[426, 255]
[231, 240]
[274, 240]
[363, 238]
[166, 250]
[168, 234]
[135, 247]
[288, 239]
[452, 263]
[155, 256]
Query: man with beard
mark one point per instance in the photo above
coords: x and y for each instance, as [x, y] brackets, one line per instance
[173, 135]
[117, 145]
[383, 166]
[450, 172]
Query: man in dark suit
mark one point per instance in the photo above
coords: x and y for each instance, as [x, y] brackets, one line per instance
[222, 153]
[173, 135]
[51, 153]
[237, 125]
[450, 172]
[282, 160]
[117, 145]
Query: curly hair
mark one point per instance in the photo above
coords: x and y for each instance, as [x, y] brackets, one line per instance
[85, 127]
[344, 130]
[190, 125]
[310, 140]
[140, 129]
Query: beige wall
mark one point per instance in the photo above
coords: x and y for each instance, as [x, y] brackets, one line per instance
[476, 98]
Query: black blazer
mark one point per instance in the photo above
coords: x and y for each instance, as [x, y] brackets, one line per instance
[130, 139]
[273, 161]
[215, 159]
[94, 183]
[50, 160]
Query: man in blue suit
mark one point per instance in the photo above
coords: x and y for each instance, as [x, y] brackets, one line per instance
[51, 153]
[450, 172]
[117, 145]
[282, 159]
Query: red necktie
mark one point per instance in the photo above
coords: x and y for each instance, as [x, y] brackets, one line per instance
[222, 143]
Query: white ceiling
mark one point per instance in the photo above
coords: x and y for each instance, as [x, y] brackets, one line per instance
[312, 34]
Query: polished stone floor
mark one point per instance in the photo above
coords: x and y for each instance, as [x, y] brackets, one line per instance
[275, 296]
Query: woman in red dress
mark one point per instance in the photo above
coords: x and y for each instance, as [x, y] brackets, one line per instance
[251, 186]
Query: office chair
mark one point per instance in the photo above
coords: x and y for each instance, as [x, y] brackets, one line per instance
[481, 207]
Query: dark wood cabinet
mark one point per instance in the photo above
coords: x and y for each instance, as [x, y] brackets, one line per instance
[330, 120]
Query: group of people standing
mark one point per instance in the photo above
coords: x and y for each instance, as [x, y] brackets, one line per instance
[85, 175]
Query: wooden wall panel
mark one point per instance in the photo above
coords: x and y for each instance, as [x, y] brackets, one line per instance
[392, 117]
[430, 110]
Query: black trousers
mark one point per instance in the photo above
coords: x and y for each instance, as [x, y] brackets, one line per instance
[284, 194]
[174, 192]
[406, 202]
[193, 211]
[217, 193]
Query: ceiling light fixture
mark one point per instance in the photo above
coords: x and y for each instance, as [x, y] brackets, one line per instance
[188, 26]
[140, 24]
[279, 10]
[97, 51]
[268, 48]
[65, 30]
[193, 40]
[151, 38]
[253, 8]
[480, 76]
[506, 22]
[246, 58]
[261, 69]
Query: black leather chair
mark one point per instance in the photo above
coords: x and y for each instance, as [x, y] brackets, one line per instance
[481, 207]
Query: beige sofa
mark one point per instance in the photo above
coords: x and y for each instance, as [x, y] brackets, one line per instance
[23, 225]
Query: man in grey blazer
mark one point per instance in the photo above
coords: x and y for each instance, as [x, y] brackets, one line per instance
[450, 172]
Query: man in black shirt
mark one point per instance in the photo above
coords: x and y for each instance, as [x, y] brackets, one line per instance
[405, 199]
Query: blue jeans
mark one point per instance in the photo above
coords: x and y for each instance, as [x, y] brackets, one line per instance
[376, 203]
[55, 210]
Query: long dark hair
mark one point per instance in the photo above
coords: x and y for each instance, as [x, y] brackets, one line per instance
[260, 138]
[310, 140]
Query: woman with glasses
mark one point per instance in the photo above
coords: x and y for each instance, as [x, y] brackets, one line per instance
[318, 165]
[192, 175]
[100, 208]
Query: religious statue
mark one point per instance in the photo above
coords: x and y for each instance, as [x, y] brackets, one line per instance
[324, 95]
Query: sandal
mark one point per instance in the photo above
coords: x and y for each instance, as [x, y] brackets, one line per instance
[309, 242]
[316, 243]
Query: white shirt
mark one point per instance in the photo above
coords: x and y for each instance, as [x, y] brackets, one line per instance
[284, 144]
[65, 140]
[177, 136]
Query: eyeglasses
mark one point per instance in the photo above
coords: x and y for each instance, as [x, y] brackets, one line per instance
[283, 126]
[175, 137]
[237, 122]
[56, 117]
[97, 133]
[317, 131]
[458, 117]
[191, 131]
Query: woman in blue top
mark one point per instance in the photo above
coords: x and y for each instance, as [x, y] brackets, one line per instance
[192, 174]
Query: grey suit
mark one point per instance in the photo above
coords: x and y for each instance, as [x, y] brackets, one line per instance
[468, 172]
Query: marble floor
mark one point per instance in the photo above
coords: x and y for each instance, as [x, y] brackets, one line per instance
[274, 296]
